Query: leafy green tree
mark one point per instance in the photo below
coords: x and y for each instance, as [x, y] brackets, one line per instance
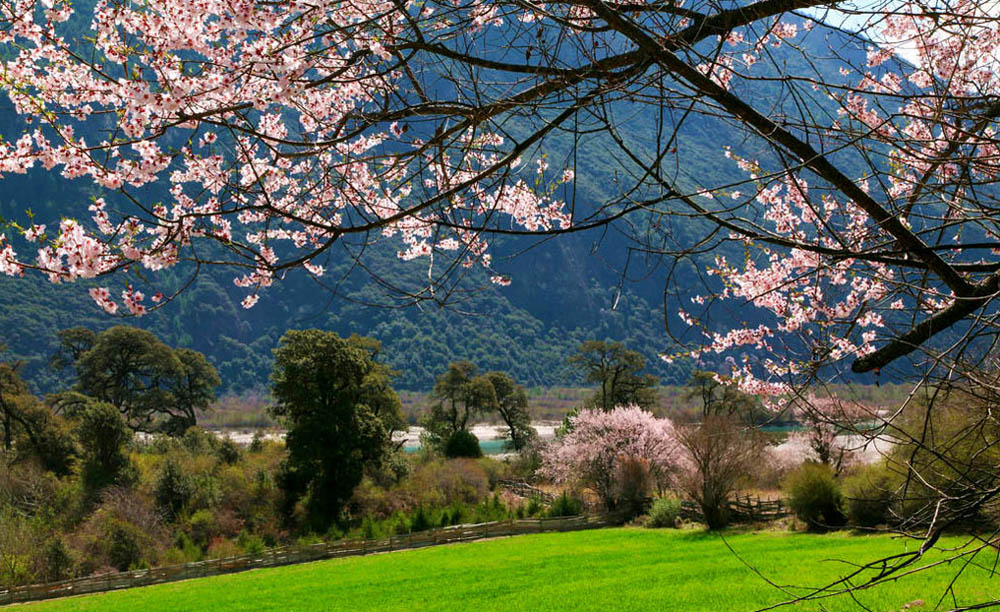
[12, 388]
[29, 427]
[173, 489]
[325, 388]
[191, 391]
[154, 386]
[719, 399]
[127, 367]
[376, 387]
[105, 437]
[618, 372]
[512, 405]
[73, 343]
[44, 437]
[459, 395]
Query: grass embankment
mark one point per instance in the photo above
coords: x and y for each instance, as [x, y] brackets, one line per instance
[609, 569]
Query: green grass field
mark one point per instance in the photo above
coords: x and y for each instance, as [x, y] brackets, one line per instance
[609, 569]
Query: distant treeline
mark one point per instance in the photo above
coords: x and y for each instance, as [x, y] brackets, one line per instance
[249, 410]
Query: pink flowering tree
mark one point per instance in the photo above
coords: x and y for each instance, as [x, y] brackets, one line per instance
[287, 132]
[834, 429]
[595, 452]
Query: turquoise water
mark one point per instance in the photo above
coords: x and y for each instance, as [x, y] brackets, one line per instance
[490, 447]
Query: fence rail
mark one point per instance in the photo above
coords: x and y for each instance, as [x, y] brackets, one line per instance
[743, 510]
[524, 489]
[288, 555]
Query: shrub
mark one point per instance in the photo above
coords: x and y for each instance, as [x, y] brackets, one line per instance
[228, 451]
[869, 496]
[173, 489]
[462, 443]
[564, 505]
[495, 470]
[440, 483]
[130, 506]
[18, 541]
[124, 551]
[221, 548]
[459, 512]
[814, 495]
[198, 441]
[27, 489]
[392, 470]
[525, 464]
[370, 529]
[492, 509]
[184, 551]
[420, 520]
[633, 486]
[58, 563]
[191, 549]
[172, 556]
[15, 571]
[664, 512]
[251, 543]
[203, 527]
[205, 491]
[398, 523]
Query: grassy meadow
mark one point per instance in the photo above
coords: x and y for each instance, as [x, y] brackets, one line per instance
[609, 569]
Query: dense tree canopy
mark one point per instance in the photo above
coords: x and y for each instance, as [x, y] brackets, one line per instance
[618, 373]
[152, 385]
[29, 429]
[459, 394]
[12, 388]
[512, 405]
[104, 436]
[339, 410]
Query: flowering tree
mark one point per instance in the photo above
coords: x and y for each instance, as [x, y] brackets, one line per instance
[601, 442]
[279, 131]
[828, 424]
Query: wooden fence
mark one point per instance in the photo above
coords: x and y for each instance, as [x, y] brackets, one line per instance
[288, 555]
[743, 510]
[526, 490]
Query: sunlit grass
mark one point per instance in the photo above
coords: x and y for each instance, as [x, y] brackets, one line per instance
[610, 569]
